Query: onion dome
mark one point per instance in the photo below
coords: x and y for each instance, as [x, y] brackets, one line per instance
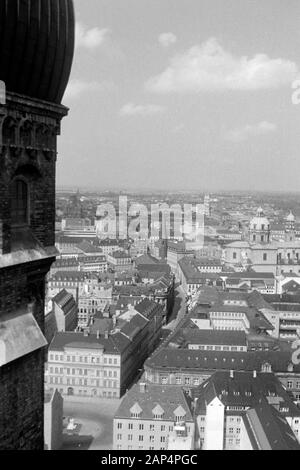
[37, 47]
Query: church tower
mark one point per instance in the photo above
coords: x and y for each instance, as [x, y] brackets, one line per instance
[36, 53]
[259, 228]
[290, 227]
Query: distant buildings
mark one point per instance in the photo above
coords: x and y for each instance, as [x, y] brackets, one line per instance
[120, 261]
[93, 297]
[62, 316]
[194, 273]
[176, 251]
[261, 253]
[287, 308]
[153, 417]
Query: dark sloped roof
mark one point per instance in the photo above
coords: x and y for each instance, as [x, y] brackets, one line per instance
[183, 359]
[148, 308]
[218, 337]
[146, 260]
[68, 275]
[168, 398]
[134, 326]
[78, 340]
[243, 389]
[268, 430]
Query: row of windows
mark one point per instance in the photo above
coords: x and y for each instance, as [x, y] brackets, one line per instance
[234, 419]
[231, 442]
[217, 348]
[88, 392]
[83, 359]
[239, 315]
[99, 373]
[120, 447]
[232, 430]
[150, 427]
[180, 380]
[84, 382]
[291, 384]
[140, 438]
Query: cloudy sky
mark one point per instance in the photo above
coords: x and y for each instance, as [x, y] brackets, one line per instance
[183, 94]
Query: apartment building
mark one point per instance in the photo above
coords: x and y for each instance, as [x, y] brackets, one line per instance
[120, 261]
[83, 364]
[150, 417]
[230, 407]
[93, 298]
[287, 310]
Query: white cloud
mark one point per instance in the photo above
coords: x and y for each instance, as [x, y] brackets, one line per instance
[167, 39]
[89, 38]
[209, 67]
[76, 88]
[131, 109]
[243, 133]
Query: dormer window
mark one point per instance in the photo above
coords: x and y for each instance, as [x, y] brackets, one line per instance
[266, 367]
[158, 412]
[19, 202]
[179, 414]
[136, 411]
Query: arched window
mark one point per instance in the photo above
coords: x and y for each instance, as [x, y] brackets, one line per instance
[9, 131]
[20, 202]
[25, 134]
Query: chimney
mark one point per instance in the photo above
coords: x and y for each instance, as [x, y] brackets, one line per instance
[232, 374]
[106, 335]
[98, 334]
[254, 374]
[143, 387]
[86, 333]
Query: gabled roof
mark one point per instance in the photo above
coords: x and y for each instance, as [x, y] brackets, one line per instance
[158, 410]
[64, 300]
[136, 409]
[149, 308]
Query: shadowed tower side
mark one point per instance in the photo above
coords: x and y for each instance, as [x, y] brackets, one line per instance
[36, 53]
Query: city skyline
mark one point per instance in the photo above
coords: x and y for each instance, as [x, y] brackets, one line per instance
[199, 96]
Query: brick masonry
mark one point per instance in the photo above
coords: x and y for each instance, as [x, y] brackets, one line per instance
[28, 134]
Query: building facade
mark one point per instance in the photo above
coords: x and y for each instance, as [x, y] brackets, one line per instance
[148, 418]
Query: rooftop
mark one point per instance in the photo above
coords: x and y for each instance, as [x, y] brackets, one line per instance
[150, 400]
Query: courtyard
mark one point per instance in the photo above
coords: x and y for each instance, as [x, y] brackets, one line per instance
[94, 423]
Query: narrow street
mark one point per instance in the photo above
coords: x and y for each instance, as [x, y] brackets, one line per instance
[179, 309]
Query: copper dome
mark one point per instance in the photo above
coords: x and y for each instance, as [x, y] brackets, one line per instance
[36, 47]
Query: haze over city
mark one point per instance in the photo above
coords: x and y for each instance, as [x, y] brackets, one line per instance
[171, 94]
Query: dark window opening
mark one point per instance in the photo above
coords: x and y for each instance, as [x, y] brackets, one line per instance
[8, 132]
[20, 196]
